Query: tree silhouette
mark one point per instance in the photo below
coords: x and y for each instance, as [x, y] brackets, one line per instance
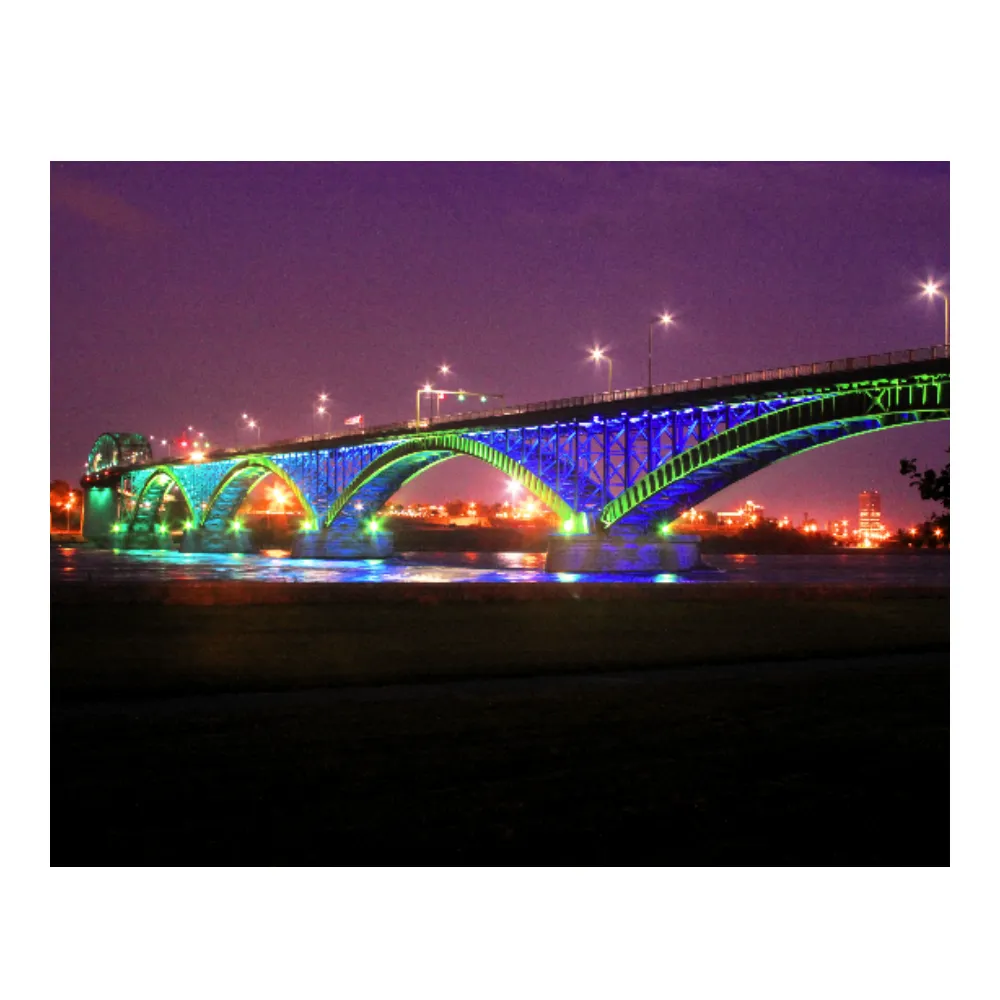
[933, 485]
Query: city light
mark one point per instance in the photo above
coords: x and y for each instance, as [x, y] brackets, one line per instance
[932, 289]
[597, 355]
[663, 320]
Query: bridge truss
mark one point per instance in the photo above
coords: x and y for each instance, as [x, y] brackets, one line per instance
[626, 467]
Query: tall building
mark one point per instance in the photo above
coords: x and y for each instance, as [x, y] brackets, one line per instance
[869, 514]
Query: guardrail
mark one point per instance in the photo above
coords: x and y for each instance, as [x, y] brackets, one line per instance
[859, 363]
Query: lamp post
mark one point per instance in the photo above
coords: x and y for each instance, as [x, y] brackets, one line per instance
[444, 369]
[321, 411]
[424, 389]
[931, 289]
[665, 320]
[597, 355]
[429, 390]
[245, 418]
[254, 425]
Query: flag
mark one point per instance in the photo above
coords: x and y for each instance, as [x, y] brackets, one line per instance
[359, 420]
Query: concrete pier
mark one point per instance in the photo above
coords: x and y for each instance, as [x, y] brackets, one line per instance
[628, 554]
[203, 540]
[333, 544]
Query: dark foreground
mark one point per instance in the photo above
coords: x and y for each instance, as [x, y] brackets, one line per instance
[247, 734]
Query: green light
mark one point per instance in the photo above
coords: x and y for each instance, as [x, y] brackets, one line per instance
[373, 526]
[664, 529]
[568, 526]
[237, 525]
[307, 525]
[115, 529]
[188, 525]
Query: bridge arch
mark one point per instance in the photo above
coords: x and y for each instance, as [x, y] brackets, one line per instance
[394, 467]
[112, 450]
[146, 504]
[697, 473]
[236, 485]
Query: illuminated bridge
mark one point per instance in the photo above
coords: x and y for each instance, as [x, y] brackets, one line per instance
[615, 467]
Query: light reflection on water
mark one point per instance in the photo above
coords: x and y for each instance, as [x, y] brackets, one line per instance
[75, 564]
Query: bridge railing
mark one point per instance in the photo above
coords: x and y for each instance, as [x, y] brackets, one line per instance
[855, 364]
[713, 382]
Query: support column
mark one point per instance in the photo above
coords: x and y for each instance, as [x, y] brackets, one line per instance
[100, 513]
[623, 553]
[206, 540]
[342, 542]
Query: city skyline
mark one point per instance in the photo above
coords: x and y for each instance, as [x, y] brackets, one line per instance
[189, 294]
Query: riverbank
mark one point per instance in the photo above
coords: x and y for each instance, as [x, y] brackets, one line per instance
[241, 722]
[181, 638]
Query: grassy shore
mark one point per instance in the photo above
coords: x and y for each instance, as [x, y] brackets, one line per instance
[183, 638]
[667, 726]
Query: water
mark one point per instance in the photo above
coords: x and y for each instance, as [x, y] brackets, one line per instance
[69, 563]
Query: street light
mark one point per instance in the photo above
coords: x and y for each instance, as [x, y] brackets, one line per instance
[443, 369]
[321, 411]
[245, 417]
[665, 320]
[931, 289]
[253, 425]
[597, 355]
[425, 389]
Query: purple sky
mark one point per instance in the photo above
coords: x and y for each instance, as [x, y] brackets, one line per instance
[189, 293]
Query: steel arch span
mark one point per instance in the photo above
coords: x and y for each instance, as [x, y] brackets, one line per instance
[386, 474]
[150, 496]
[725, 458]
[621, 462]
[237, 484]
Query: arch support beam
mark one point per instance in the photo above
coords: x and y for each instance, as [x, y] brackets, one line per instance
[719, 461]
[393, 468]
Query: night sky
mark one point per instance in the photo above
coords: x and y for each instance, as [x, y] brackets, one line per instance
[186, 294]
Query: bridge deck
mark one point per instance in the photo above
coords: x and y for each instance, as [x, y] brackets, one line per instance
[673, 395]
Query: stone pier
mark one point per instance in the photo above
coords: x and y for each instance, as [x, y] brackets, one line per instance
[333, 544]
[204, 540]
[623, 554]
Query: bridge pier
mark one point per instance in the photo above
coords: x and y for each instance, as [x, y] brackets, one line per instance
[143, 541]
[622, 553]
[331, 543]
[225, 542]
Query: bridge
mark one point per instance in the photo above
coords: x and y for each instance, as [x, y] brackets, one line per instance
[617, 468]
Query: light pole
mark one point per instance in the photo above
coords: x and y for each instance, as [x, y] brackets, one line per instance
[597, 355]
[665, 320]
[254, 425]
[246, 419]
[442, 370]
[931, 289]
[424, 389]
[429, 390]
[321, 411]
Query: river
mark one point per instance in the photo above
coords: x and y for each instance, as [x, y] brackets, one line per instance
[80, 564]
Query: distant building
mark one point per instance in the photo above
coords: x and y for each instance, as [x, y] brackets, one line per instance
[870, 514]
[746, 517]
